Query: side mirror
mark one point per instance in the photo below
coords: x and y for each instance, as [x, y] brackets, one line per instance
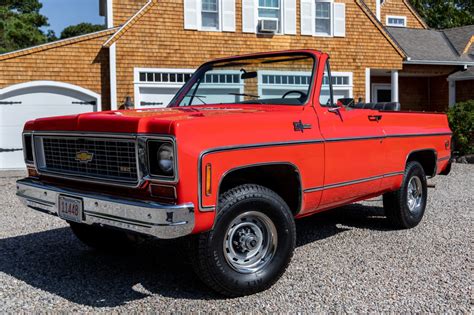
[248, 75]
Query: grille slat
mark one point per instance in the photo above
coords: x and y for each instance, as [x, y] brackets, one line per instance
[112, 159]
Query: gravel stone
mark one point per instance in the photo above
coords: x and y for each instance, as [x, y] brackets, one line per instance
[346, 260]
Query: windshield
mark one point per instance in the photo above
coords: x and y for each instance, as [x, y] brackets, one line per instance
[277, 79]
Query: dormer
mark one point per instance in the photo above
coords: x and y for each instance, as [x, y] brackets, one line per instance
[396, 13]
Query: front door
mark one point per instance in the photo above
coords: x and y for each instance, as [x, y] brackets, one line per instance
[353, 149]
[381, 93]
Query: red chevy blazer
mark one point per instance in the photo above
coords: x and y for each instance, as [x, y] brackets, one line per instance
[247, 145]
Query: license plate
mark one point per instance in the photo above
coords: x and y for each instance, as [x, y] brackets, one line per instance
[70, 208]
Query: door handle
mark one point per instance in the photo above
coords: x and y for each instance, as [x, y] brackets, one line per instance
[375, 117]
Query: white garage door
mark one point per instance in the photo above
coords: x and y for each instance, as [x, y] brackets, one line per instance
[274, 84]
[155, 87]
[32, 100]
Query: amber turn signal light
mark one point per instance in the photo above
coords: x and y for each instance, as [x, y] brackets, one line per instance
[208, 179]
[32, 172]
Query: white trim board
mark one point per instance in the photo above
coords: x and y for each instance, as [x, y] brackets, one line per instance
[63, 85]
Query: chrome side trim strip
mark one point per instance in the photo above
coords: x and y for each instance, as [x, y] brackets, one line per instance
[241, 147]
[409, 135]
[351, 182]
[444, 158]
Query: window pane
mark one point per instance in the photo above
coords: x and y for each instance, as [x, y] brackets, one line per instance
[210, 20]
[209, 5]
[323, 10]
[325, 96]
[323, 26]
[269, 3]
[323, 18]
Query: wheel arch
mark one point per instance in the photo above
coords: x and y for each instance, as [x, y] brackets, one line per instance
[277, 176]
[427, 158]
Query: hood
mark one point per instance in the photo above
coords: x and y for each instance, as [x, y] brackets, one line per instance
[158, 120]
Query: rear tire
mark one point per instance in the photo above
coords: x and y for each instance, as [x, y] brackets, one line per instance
[405, 207]
[251, 244]
[102, 239]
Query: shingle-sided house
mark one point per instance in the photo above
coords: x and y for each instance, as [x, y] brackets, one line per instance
[151, 47]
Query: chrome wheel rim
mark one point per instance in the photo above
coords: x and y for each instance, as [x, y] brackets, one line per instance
[250, 242]
[414, 194]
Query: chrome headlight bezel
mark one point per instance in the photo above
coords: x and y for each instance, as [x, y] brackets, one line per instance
[154, 171]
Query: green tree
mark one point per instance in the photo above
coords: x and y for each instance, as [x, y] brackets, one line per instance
[441, 14]
[80, 29]
[20, 24]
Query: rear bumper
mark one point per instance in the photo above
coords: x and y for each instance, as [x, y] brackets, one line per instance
[146, 217]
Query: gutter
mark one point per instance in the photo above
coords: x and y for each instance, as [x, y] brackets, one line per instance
[438, 62]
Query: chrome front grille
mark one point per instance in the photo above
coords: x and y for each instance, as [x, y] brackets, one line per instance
[105, 159]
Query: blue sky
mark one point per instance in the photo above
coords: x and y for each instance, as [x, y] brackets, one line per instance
[62, 13]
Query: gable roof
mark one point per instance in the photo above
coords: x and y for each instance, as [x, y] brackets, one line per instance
[379, 26]
[134, 19]
[415, 14]
[59, 43]
[428, 46]
[460, 37]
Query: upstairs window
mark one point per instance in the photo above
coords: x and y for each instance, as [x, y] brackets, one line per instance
[270, 9]
[397, 21]
[323, 18]
[210, 14]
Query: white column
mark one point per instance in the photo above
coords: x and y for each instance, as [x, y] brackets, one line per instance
[367, 85]
[110, 14]
[394, 86]
[377, 9]
[452, 93]
[113, 76]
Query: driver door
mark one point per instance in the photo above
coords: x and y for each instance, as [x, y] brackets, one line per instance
[353, 148]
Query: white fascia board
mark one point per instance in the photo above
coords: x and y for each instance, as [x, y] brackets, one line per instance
[436, 62]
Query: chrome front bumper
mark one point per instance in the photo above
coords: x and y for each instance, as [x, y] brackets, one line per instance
[146, 217]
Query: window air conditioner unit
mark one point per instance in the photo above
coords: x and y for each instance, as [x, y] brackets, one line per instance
[268, 25]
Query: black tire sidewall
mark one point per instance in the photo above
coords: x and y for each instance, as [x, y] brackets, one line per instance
[412, 219]
[284, 224]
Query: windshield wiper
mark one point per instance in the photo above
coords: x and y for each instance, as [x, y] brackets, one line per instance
[199, 97]
[243, 94]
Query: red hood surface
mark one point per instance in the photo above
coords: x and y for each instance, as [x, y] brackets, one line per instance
[157, 120]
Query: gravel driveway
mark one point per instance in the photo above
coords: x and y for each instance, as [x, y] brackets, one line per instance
[347, 260]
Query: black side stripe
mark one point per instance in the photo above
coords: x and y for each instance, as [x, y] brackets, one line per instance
[351, 182]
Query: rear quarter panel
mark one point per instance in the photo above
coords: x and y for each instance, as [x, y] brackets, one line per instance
[407, 132]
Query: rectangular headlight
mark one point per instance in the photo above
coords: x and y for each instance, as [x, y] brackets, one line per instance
[28, 148]
[161, 158]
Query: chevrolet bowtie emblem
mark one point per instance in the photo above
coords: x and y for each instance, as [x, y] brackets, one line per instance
[84, 156]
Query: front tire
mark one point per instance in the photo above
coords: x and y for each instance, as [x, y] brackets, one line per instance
[405, 207]
[251, 244]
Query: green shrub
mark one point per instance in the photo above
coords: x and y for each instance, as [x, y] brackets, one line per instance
[461, 118]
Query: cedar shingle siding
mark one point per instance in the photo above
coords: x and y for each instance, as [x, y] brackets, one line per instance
[84, 63]
[158, 40]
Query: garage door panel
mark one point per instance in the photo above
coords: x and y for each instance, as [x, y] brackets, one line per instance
[32, 103]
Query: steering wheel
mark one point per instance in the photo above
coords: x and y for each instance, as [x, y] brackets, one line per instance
[302, 94]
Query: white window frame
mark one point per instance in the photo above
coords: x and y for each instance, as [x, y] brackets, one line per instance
[281, 18]
[219, 18]
[400, 17]
[262, 86]
[139, 84]
[331, 19]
